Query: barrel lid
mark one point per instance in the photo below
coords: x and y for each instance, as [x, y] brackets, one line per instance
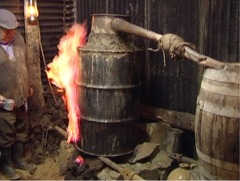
[231, 74]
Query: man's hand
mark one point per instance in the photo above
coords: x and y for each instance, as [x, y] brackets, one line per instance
[2, 100]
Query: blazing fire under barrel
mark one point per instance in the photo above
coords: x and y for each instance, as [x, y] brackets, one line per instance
[109, 90]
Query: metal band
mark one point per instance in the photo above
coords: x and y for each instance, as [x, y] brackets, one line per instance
[218, 110]
[218, 163]
[206, 174]
[220, 89]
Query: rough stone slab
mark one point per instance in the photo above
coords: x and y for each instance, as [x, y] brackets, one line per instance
[109, 174]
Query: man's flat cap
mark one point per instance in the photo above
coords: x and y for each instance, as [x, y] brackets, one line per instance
[8, 19]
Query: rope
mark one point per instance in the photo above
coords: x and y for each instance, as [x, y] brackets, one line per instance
[45, 65]
[174, 45]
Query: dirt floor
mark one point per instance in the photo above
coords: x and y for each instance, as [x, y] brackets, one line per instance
[48, 170]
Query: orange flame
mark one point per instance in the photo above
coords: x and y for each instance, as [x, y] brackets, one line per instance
[63, 72]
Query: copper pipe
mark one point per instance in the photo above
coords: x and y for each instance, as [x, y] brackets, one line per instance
[122, 25]
[203, 60]
[119, 24]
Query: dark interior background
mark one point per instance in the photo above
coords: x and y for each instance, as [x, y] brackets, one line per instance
[212, 25]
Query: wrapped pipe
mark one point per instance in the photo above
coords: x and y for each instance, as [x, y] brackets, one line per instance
[171, 43]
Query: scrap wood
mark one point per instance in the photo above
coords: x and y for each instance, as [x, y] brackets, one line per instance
[181, 159]
[61, 131]
[177, 119]
[126, 173]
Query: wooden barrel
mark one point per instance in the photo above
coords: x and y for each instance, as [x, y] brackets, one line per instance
[217, 124]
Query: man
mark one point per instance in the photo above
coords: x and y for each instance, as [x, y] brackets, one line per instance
[13, 85]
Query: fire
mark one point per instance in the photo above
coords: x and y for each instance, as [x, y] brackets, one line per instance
[63, 72]
[79, 160]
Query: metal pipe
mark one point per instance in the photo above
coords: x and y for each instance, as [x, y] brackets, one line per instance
[119, 24]
[122, 25]
[203, 60]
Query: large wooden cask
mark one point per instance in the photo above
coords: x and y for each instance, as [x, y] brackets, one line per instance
[217, 124]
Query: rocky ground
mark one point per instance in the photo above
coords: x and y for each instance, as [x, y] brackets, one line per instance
[48, 170]
[57, 160]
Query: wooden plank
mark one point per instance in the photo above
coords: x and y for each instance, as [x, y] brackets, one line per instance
[176, 119]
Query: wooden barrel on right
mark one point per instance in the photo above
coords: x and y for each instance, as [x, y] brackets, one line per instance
[217, 124]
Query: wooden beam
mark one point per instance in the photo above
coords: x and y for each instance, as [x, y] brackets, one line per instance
[36, 101]
[176, 119]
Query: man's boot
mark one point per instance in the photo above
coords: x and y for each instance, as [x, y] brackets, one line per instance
[18, 159]
[6, 166]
